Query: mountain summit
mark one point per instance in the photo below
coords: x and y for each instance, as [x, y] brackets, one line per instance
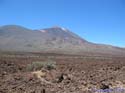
[53, 40]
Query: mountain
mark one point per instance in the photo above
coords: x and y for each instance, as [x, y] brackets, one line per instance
[52, 40]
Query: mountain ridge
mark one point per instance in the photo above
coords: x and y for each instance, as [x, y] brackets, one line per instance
[54, 39]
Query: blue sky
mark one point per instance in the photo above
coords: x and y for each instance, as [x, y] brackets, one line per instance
[99, 21]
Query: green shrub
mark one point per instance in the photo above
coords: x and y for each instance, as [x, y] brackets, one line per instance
[49, 65]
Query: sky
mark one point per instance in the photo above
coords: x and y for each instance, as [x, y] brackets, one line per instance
[98, 21]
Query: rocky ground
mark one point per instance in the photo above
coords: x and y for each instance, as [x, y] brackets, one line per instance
[71, 75]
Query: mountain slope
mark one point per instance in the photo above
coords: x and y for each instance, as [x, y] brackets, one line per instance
[55, 39]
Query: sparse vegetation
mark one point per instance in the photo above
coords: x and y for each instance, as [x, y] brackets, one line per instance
[73, 74]
[49, 65]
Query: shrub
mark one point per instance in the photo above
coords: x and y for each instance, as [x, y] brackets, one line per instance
[49, 65]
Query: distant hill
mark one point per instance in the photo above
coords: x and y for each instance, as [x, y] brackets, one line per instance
[53, 40]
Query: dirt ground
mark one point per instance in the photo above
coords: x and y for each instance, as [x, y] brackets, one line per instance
[73, 74]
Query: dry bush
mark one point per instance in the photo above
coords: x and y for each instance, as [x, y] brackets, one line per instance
[49, 65]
